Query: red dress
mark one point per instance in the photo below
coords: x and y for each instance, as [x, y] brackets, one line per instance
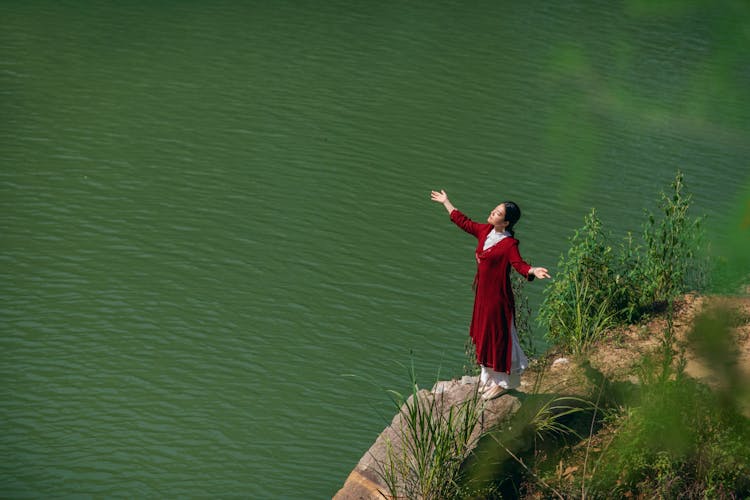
[494, 306]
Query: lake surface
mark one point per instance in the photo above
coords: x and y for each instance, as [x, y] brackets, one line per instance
[217, 247]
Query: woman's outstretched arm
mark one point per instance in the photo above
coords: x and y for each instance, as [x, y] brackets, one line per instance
[441, 197]
[524, 268]
[457, 217]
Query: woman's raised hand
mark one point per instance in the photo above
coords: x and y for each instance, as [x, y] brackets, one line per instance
[439, 196]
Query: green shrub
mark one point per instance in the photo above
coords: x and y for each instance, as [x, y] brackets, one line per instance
[587, 321]
[671, 263]
[586, 279]
[596, 286]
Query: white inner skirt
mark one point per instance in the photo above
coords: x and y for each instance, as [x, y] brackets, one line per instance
[519, 362]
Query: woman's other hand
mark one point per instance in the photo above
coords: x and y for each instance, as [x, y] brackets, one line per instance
[540, 272]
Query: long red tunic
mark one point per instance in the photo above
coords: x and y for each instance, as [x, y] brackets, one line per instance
[494, 306]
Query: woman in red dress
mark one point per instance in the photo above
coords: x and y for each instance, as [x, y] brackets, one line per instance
[493, 330]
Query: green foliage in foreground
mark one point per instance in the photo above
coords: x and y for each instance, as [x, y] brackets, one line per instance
[597, 286]
[680, 442]
[669, 436]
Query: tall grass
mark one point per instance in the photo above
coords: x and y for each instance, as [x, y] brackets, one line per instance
[586, 321]
[583, 298]
[433, 441]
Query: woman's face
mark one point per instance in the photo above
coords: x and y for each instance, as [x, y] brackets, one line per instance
[497, 217]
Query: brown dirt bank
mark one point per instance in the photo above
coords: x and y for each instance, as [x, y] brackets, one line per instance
[623, 349]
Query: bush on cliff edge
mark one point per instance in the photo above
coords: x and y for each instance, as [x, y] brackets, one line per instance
[597, 286]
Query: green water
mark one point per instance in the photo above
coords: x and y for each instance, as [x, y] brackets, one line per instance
[216, 241]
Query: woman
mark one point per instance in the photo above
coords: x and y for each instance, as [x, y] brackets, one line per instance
[493, 330]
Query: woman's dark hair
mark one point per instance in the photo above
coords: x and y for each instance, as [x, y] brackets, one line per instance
[512, 214]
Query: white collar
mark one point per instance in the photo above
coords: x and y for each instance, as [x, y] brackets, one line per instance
[503, 233]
